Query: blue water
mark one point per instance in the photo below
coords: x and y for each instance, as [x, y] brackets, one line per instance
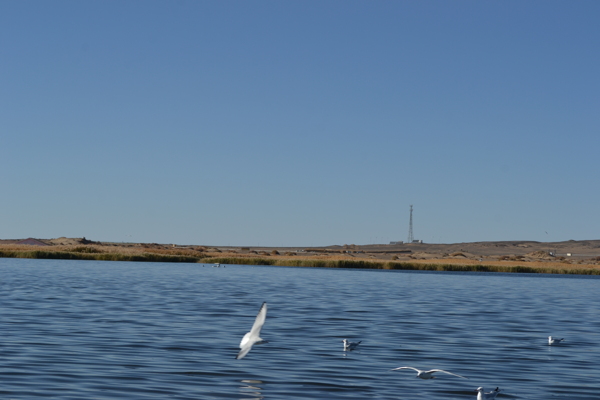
[110, 330]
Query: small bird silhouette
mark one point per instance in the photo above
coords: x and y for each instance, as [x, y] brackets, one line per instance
[552, 340]
[349, 346]
[481, 395]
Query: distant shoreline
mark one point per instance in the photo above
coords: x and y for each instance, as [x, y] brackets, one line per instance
[571, 257]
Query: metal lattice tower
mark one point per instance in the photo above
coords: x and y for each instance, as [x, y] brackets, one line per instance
[410, 231]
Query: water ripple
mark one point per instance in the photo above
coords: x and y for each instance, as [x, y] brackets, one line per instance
[104, 330]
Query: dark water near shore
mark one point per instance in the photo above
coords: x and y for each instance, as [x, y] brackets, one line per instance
[109, 330]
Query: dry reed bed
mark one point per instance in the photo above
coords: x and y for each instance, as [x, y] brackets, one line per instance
[416, 265]
[200, 255]
[103, 253]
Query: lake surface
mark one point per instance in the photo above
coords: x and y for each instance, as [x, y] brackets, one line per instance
[114, 330]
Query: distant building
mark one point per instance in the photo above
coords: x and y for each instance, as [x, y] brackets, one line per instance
[32, 242]
[399, 242]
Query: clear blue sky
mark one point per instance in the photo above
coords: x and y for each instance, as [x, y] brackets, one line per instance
[279, 123]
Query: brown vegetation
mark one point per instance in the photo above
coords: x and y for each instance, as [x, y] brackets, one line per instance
[498, 256]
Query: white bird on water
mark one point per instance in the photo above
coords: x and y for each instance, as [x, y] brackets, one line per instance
[253, 337]
[349, 346]
[481, 395]
[428, 374]
[552, 340]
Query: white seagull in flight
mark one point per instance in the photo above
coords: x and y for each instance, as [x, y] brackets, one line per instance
[253, 337]
[427, 374]
[552, 340]
[487, 396]
[349, 346]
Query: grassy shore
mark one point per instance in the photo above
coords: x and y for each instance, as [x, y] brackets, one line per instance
[102, 253]
[402, 265]
[157, 253]
[200, 255]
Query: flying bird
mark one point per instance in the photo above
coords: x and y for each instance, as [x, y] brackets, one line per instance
[349, 346]
[253, 337]
[552, 340]
[427, 374]
[481, 395]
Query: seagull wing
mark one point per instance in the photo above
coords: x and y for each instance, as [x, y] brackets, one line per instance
[395, 369]
[244, 350]
[259, 321]
[446, 372]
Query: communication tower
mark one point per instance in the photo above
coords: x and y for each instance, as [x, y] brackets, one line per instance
[410, 231]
